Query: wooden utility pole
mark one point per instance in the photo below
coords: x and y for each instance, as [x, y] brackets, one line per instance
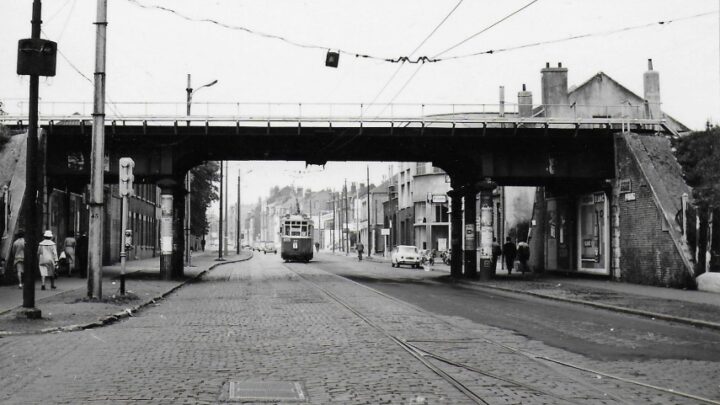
[97, 159]
[368, 210]
[227, 181]
[347, 230]
[30, 198]
[220, 224]
[237, 224]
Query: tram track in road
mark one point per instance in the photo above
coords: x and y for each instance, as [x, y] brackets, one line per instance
[421, 355]
[425, 356]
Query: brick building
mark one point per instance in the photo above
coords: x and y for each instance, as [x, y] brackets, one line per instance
[623, 227]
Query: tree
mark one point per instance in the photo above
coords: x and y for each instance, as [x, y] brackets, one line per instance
[4, 135]
[204, 192]
[699, 156]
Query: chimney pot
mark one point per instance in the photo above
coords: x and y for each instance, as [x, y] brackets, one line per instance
[650, 66]
[559, 64]
[524, 87]
[547, 64]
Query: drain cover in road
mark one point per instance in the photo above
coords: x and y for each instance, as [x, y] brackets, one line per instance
[266, 391]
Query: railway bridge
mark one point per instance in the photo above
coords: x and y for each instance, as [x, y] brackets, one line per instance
[479, 148]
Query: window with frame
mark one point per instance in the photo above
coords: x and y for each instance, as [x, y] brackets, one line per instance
[441, 213]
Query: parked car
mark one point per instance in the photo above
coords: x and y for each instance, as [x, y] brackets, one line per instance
[269, 247]
[405, 254]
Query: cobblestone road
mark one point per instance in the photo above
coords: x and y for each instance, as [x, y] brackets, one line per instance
[263, 320]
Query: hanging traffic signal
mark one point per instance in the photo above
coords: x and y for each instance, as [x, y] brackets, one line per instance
[332, 58]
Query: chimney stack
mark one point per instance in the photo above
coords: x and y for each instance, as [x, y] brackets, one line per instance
[555, 91]
[651, 88]
[502, 101]
[525, 103]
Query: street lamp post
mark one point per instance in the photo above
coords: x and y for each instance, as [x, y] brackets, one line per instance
[188, 177]
[6, 208]
[238, 226]
[237, 222]
[220, 227]
[190, 92]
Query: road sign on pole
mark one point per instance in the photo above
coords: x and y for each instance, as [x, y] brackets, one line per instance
[126, 189]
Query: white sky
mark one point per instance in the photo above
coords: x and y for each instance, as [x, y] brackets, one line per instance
[150, 52]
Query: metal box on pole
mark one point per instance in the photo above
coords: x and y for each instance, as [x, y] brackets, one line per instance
[36, 57]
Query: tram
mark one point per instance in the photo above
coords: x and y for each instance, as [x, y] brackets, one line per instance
[296, 234]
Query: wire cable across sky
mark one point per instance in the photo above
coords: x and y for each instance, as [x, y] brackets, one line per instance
[423, 59]
[580, 36]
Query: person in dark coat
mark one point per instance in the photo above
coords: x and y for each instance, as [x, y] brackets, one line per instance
[82, 254]
[509, 251]
[496, 252]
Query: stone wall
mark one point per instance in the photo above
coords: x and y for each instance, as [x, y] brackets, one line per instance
[648, 252]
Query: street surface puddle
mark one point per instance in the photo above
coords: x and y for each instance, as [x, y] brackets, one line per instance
[265, 391]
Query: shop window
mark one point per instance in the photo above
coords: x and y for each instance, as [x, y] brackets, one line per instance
[441, 213]
[419, 212]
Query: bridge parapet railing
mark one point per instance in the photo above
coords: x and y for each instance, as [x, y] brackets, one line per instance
[345, 114]
[323, 111]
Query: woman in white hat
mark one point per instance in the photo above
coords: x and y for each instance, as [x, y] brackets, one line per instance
[47, 259]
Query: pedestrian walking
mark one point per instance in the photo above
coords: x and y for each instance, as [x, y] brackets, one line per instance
[317, 246]
[69, 247]
[523, 253]
[496, 252]
[202, 244]
[82, 254]
[47, 259]
[17, 255]
[360, 249]
[509, 251]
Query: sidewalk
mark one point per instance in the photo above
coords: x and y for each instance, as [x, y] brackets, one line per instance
[685, 306]
[67, 308]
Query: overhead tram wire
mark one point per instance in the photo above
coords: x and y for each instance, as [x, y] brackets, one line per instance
[435, 58]
[407, 82]
[427, 37]
[387, 83]
[83, 75]
[258, 33]
[423, 59]
[581, 36]
[553, 41]
[500, 21]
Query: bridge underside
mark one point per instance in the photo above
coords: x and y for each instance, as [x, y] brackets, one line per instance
[477, 159]
[510, 156]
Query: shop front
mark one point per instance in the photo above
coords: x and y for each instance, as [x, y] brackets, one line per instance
[577, 234]
[594, 234]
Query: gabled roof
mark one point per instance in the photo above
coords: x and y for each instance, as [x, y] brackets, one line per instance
[602, 77]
